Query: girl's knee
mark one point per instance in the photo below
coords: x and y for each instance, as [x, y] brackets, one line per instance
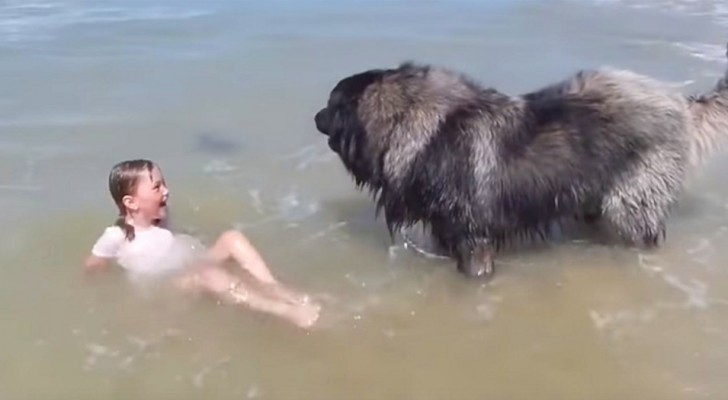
[231, 237]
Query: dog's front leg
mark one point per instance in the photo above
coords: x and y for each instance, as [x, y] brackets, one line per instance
[476, 261]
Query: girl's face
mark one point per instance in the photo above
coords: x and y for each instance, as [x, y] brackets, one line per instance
[150, 200]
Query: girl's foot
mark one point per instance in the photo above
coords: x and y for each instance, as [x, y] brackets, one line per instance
[305, 315]
[288, 295]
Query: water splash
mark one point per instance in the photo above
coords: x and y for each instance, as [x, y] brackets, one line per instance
[198, 379]
[324, 232]
[125, 359]
[219, 167]
[309, 155]
[288, 208]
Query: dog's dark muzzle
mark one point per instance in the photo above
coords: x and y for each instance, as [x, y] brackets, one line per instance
[322, 121]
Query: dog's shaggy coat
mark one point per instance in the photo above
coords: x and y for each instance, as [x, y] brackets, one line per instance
[480, 167]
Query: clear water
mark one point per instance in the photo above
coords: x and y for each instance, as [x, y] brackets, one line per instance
[222, 95]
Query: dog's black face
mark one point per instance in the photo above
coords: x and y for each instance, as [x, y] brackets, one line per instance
[339, 120]
[333, 119]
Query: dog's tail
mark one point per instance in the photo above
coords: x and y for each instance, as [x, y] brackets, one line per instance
[709, 130]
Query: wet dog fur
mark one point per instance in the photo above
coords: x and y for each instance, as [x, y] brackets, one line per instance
[481, 168]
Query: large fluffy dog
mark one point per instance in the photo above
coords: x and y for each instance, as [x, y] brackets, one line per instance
[480, 167]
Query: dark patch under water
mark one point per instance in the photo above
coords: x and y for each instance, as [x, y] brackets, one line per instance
[218, 144]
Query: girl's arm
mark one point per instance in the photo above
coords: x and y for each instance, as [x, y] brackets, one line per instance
[95, 264]
[104, 250]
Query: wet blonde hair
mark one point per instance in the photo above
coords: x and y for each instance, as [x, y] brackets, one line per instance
[123, 181]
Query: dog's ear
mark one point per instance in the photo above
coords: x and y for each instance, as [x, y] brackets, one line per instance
[407, 64]
[412, 67]
[346, 130]
[349, 139]
[351, 88]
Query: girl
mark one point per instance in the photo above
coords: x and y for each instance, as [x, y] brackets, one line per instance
[141, 243]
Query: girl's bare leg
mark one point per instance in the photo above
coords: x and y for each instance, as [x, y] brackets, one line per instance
[233, 245]
[232, 290]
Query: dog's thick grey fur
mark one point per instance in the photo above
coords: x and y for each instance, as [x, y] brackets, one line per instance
[480, 167]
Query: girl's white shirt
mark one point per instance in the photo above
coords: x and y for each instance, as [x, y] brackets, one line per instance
[154, 251]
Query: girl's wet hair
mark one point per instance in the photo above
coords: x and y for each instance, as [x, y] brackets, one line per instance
[123, 180]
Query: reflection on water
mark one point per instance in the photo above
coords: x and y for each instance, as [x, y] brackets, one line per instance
[223, 96]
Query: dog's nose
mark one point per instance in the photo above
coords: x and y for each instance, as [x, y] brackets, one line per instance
[321, 123]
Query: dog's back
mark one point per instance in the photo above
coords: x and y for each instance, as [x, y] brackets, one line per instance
[609, 141]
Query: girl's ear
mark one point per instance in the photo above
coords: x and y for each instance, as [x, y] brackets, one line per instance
[129, 202]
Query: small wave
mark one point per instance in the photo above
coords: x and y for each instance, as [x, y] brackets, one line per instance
[703, 51]
[694, 290]
[36, 151]
[714, 9]
[711, 52]
[38, 21]
[21, 188]
[57, 120]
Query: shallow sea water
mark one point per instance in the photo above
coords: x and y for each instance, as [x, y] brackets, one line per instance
[222, 95]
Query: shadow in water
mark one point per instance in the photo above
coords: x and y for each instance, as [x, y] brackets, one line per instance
[216, 143]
